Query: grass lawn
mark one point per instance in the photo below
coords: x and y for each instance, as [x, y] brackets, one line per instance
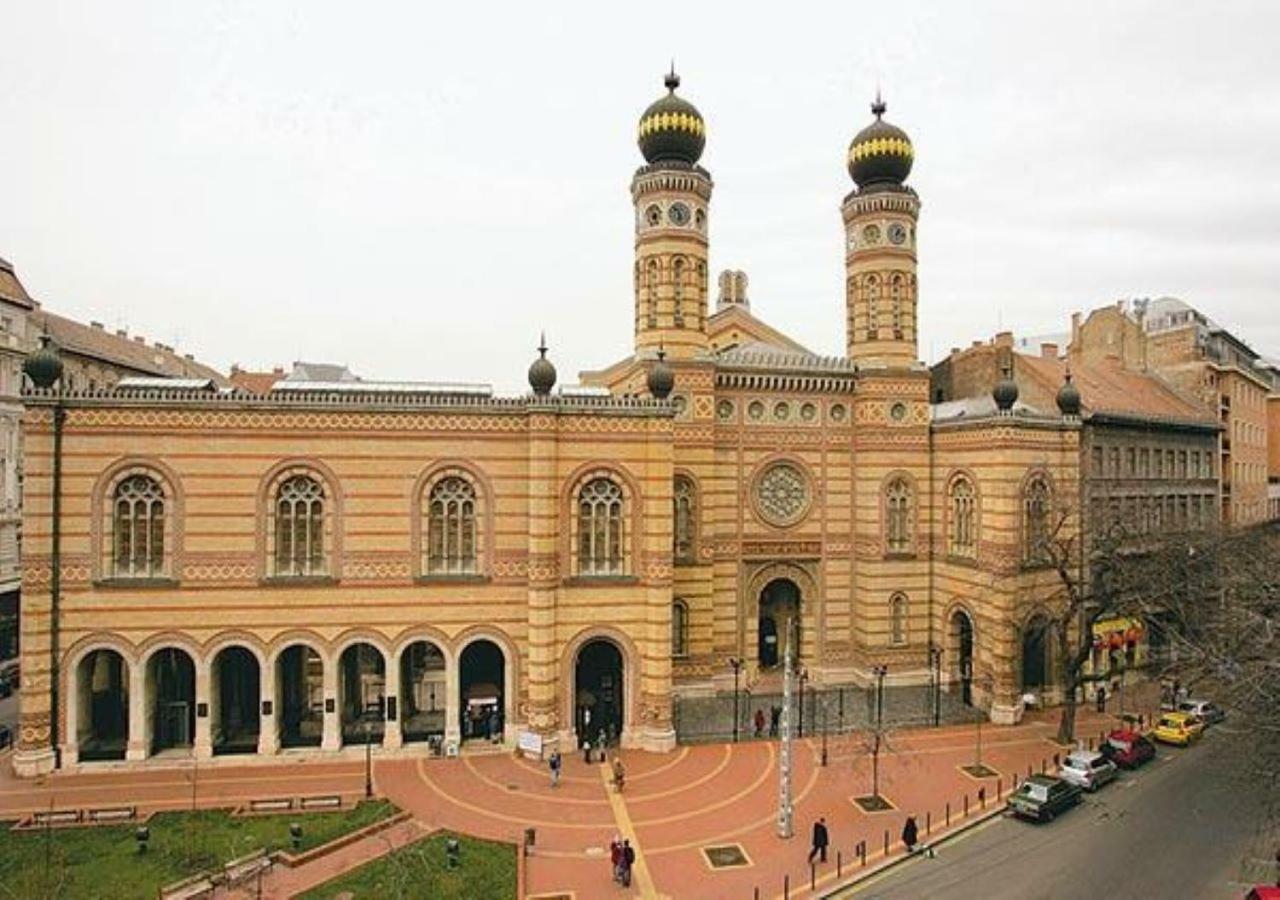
[104, 862]
[487, 872]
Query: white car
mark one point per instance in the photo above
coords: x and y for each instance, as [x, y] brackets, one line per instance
[1204, 710]
[1087, 769]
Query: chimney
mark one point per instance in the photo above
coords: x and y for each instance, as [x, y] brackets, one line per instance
[189, 356]
[955, 351]
[1004, 339]
[140, 339]
[1049, 351]
[975, 345]
[278, 370]
[235, 367]
[733, 289]
[1075, 330]
[120, 332]
[97, 325]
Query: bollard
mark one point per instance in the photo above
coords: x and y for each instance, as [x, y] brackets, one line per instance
[1028, 770]
[786, 887]
[886, 842]
[928, 822]
[948, 813]
[1090, 743]
[1044, 765]
[1056, 761]
[1015, 781]
[813, 877]
[861, 850]
[1000, 789]
[839, 863]
[756, 895]
[966, 804]
[982, 797]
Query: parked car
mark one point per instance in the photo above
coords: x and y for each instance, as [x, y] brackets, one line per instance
[1128, 749]
[1088, 769]
[1178, 728]
[1042, 797]
[1204, 710]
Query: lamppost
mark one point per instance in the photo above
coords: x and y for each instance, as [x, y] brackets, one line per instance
[935, 663]
[880, 672]
[368, 759]
[804, 676]
[44, 368]
[786, 826]
[824, 734]
[736, 662]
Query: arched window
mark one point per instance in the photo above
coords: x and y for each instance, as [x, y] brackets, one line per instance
[897, 502]
[677, 278]
[299, 527]
[964, 530]
[600, 537]
[701, 294]
[137, 544]
[895, 299]
[1036, 498]
[873, 307]
[652, 289]
[684, 503]
[679, 629]
[898, 619]
[451, 527]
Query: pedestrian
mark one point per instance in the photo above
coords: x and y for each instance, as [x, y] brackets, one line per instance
[1102, 698]
[615, 858]
[619, 774]
[554, 763]
[586, 751]
[820, 841]
[495, 725]
[910, 834]
[628, 860]
[759, 722]
[600, 745]
[775, 716]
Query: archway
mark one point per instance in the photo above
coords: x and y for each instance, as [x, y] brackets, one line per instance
[779, 607]
[960, 634]
[300, 696]
[422, 692]
[171, 690]
[102, 706]
[362, 682]
[481, 681]
[599, 700]
[1035, 654]
[236, 689]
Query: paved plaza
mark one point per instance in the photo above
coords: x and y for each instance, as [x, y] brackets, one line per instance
[675, 806]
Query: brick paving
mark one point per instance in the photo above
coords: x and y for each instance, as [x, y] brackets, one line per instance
[674, 805]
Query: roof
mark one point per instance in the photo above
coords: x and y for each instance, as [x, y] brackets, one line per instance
[383, 387]
[255, 382]
[326, 372]
[11, 289]
[979, 407]
[151, 384]
[758, 354]
[120, 349]
[1107, 387]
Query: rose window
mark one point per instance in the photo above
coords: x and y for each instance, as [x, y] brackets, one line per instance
[782, 494]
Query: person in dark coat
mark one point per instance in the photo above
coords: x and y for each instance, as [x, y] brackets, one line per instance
[615, 859]
[759, 722]
[628, 860]
[821, 839]
[1102, 698]
[775, 716]
[910, 834]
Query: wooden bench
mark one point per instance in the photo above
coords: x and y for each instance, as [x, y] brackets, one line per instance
[271, 804]
[197, 887]
[246, 868]
[56, 817]
[327, 801]
[113, 814]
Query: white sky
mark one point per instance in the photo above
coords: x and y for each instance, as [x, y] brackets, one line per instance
[416, 189]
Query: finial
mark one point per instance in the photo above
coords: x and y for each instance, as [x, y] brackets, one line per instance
[542, 345]
[878, 107]
[672, 81]
[662, 351]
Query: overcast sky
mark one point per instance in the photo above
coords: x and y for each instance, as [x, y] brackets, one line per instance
[416, 189]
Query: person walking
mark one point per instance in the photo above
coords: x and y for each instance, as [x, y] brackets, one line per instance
[615, 858]
[910, 834]
[619, 774]
[775, 716]
[759, 722]
[628, 860]
[600, 745]
[586, 750]
[1102, 698]
[820, 841]
[554, 763]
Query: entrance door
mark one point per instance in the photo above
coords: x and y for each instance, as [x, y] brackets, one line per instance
[779, 607]
[598, 694]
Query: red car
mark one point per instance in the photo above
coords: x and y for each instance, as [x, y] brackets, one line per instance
[1128, 749]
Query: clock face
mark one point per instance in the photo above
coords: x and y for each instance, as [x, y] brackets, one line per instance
[653, 215]
[678, 214]
[897, 233]
[871, 234]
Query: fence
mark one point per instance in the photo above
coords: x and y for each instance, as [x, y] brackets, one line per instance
[830, 710]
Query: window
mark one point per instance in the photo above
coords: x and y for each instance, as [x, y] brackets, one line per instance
[1130, 462]
[1159, 460]
[451, 527]
[677, 276]
[299, 527]
[1097, 462]
[1144, 463]
[684, 510]
[138, 528]
[652, 289]
[898, 619]
[898, 515]
[1195, 464]
[1114, 454]
[1035, 516]
[873, 307]
[963, 527]
[895, 297]
[600, 547]
[679, 629]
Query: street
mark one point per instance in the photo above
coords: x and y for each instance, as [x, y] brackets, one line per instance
[1185, 826]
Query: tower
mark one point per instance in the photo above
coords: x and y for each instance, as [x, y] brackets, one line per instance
[880, 246]
[672, 195]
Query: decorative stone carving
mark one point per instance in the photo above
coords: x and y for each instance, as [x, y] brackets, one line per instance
[782, 494]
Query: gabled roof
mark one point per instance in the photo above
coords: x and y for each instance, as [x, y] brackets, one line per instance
[11, 289]
[1106, 386]
[730, 321]
[120, 350]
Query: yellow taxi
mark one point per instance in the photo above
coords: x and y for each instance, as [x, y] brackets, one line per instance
[1177, 728]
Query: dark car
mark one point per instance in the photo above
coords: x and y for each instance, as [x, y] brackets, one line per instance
[1127, 748]
[1042, 797]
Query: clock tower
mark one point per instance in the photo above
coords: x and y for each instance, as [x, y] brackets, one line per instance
[880, 246]
[672, 198]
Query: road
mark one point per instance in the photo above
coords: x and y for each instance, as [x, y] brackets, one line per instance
[1182, 827]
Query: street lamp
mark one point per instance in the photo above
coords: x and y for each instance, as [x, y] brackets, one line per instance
[880, 672]
[935, 664]
[368, 759]
[824, 734]
[804, 676]
[736, 662]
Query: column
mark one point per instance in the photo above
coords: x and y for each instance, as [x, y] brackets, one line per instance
[452, 703]
[544, 546]
[332, 735]
[136, 749]
[204, 723]
[392, 734]
[268, 732]
[72, 702]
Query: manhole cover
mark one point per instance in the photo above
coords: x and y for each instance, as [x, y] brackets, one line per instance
[726, 856]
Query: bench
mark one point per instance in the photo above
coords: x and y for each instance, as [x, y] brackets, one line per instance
[56, 817]
[271, 804]
[327, 801]
[197, 887]
[247, 867]
[113, 814]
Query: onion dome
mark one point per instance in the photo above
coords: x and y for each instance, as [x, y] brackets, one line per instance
[1069, 397]
[672, 129]
[662, 378]
[542, 374]
[880, 154]
[44, 367]
[1005, 393]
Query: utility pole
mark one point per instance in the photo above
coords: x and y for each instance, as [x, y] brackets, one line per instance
[786, 825]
